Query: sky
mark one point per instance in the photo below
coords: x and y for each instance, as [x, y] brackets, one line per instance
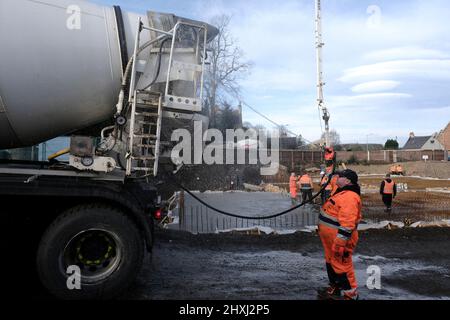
[386, 62]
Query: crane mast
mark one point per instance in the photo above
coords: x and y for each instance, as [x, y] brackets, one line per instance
[320, 82]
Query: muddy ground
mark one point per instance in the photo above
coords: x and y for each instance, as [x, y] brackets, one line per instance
[415, 264]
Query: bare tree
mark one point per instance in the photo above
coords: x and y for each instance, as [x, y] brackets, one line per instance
[258, 127]
[335, 138]
[228, 118]
[226, 67]
[284, 131]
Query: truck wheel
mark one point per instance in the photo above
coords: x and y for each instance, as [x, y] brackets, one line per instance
[100, 242]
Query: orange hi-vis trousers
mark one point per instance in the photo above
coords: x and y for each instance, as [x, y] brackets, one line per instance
[338, 225]
[340, 269]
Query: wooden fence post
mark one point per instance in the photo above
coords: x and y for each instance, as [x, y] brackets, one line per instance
[292, 160]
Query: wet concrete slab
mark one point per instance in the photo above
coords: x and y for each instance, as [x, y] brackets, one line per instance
[198, 218]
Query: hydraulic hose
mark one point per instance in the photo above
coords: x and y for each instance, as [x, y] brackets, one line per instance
[58, 154]
[119, 106]
[158, 64]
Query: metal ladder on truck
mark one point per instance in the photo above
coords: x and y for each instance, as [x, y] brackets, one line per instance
[145, 123]
[143, 150]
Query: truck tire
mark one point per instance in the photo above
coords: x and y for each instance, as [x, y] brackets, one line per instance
[98, 241]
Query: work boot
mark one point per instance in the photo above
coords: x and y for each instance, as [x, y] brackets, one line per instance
[329, 292]
[347, 295]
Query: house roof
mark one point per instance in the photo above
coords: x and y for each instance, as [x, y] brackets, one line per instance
[359, 146]
[415, 143]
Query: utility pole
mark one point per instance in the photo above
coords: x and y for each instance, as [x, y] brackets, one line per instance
[368, 152]
[320, 82]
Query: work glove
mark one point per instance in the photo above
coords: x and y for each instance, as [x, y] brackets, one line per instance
[339, 248]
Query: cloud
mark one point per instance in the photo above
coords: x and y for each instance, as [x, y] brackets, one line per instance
[375, 86]
[401, 66]
[370, 101]
[408, 52]
[276, 79]
[400, 69]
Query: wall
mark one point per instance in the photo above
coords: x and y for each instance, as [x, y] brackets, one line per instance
[444, 138]
[295, 159]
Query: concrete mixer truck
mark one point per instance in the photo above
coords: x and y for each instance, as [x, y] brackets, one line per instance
[117, 83]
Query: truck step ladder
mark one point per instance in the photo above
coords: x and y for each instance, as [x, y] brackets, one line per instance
[145, 133]
[145, 120]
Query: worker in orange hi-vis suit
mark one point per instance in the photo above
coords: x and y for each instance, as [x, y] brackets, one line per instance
[338, 223]
[331, 188]
[330, 155]
[306, 187]
[293, 188]
[334, 185]
[388, 191]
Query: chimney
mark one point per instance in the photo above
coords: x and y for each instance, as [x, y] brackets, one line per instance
[411, 135]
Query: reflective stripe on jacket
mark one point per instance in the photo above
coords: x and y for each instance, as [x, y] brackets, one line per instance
[343, 212]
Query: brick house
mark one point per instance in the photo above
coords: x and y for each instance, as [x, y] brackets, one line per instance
[444, 137]
[423, 143]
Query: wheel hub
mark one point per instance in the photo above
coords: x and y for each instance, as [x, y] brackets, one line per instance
[96, 252]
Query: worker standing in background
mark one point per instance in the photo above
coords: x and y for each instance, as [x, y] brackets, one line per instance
[388, 191]
[327, 192]
[306, 187]
[330, 160]
[399, 170]
[293, 187]
[331, 187]
[338, 224]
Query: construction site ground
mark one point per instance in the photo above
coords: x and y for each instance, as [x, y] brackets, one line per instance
[431, 169]
[414, 263]
[423, 194]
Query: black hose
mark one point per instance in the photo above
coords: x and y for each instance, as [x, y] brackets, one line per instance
[158, 66]
[122, 36]
[257, 218]
[253, 218]
[119, 162]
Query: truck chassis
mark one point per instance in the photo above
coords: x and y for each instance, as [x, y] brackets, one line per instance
[98, 224]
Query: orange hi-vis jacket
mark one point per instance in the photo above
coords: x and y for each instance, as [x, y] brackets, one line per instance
[332, 186]
[305, 182]
[342, 212]
[293, 187]
[324, 181]
[389, 187]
